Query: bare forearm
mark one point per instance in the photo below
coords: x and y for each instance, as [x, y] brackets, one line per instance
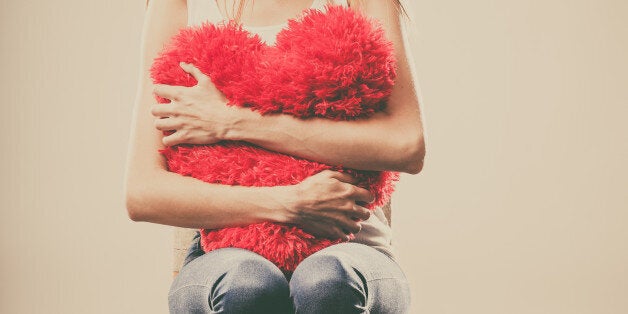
[171, 199]
[389, 140]
[374, 144]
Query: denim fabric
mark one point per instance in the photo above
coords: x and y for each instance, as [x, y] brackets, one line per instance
[194, 250]
[343, 278]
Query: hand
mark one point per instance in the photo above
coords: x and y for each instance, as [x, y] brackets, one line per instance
[326, 205]
[198, 114]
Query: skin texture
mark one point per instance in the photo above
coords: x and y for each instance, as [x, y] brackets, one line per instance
[326, 204]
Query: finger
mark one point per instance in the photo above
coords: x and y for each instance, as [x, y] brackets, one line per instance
[360, 212]
[168, 124]
[361, 194]
[333, 233]
[349, 226]
[200, 77]
[175, 138]
[341, 176]
[164, 110]
[340, 234]
[168, 91]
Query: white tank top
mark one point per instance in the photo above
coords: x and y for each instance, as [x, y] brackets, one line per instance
[375, 231]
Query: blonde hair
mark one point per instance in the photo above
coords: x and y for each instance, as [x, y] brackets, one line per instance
[236, 10]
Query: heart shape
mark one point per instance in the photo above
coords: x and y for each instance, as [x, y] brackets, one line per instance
[335, 64]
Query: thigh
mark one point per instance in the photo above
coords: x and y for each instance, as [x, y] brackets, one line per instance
[228, 280]
[380, 279]
[204, 269]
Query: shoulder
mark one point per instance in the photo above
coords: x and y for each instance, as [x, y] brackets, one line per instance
[387, 12]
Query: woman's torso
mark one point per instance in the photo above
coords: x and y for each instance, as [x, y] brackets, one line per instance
[375, 231]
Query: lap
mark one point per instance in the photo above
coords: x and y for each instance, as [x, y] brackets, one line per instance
[382, 283]
[229, 280]
[373, 264]
[368, 273]
[207, 267]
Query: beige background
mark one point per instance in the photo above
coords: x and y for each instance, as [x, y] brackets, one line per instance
[521, 207]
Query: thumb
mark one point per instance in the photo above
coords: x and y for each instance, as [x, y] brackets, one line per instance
[343, 177]
[194, 71]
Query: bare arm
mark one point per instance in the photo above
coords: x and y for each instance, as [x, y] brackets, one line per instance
[390, 140]
[154, 194]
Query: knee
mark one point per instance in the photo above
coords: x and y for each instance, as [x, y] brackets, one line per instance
[189, 299]
[325, 283]
[250, 286]
[238, 282]
[254, 276]
[322, 273]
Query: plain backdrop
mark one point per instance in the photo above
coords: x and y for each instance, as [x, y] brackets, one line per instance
[521, 206]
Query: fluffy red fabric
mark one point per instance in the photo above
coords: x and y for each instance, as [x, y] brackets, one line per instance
[335, 63]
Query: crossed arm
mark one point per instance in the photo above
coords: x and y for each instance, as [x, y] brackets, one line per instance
[391, 140]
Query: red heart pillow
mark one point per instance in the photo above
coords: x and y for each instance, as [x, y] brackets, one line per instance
[335, 64]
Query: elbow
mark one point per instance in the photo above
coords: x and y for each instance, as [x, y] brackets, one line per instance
[413, 155]
[141, 194]
[132, 206]
[136, 200]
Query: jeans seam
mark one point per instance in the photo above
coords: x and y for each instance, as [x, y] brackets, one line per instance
[186, 286]
[384, 278]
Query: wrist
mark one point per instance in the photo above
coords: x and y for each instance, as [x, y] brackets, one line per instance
[284, 198]
[240, 122]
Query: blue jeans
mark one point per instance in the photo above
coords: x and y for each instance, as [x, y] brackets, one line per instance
[343, 278]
